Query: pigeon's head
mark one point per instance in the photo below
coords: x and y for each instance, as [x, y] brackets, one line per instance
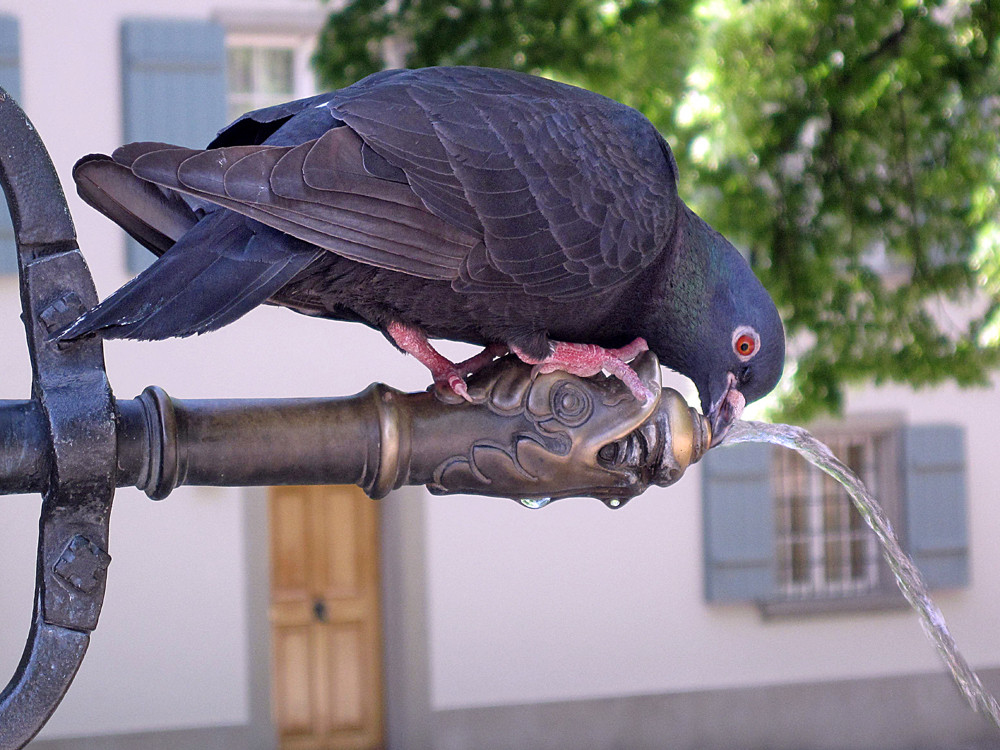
[744, 352]
[733, 347]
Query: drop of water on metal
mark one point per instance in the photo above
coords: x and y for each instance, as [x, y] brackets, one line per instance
[535, 502]
[908, 577]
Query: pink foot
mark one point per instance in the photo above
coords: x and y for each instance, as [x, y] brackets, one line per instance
[445, 372]
[588, 359]
[477, 362]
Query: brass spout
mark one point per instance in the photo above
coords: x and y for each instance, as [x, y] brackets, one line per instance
[529, 438]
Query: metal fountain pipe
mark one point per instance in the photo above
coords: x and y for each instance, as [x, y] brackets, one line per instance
[533, 439]
[526, 438]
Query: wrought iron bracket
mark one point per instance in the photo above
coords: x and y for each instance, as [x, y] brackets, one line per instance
[533, 439]
[71, 407]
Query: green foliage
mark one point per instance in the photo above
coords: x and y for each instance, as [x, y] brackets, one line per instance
[577, 40]
[850, 146]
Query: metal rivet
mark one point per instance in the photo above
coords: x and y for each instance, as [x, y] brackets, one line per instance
[82, 564]
[66, 308]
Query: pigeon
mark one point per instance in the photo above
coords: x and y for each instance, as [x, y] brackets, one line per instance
[486, 206]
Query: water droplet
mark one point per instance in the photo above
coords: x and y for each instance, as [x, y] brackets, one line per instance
[614, 502]
[535, 502]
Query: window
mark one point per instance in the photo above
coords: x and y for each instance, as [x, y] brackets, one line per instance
[780, 533]
[823, 547]
[259, 77]
[264, 70]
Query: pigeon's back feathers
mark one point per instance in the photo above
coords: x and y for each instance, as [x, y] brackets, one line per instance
[570, 191]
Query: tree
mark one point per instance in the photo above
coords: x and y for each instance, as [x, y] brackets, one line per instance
[590, 43]
[850, 147]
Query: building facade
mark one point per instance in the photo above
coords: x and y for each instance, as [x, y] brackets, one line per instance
[744, 607]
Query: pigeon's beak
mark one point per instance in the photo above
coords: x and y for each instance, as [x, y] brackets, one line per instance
[725, 410]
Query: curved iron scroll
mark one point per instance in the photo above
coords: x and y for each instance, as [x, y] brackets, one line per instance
[529, 438]
[73, 406]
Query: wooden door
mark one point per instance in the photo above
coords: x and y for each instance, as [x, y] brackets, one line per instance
[327, 688]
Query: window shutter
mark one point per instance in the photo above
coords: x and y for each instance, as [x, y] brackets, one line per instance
[738, 520]
[173, 88]
[934, 510]
[10, 80]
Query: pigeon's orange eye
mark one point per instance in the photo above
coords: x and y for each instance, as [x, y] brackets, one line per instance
[746, 342]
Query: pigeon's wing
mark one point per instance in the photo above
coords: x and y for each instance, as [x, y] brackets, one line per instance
[570, 191]
[220, 269]
[318, 191]
[487, 179]
[156, 218]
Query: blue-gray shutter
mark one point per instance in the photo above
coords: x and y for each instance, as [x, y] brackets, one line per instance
[935, 503]
[738, 522]
[173, 87]
[10, 80]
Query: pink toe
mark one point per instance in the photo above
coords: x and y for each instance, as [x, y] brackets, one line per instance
[633, 350]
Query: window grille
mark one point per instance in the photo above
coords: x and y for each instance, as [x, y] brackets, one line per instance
[824, 549]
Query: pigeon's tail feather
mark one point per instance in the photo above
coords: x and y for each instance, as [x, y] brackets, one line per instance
[153, 216]
[217, 272]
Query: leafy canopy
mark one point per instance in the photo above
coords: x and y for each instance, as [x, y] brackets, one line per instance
[850, 147]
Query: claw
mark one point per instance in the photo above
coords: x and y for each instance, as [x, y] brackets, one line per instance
[457, 384]
[445, 373]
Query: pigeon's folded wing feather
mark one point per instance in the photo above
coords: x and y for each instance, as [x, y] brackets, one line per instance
[217, 272]
[319, 192]
[156, 218]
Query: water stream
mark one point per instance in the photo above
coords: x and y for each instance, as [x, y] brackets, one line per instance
[909, 579]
